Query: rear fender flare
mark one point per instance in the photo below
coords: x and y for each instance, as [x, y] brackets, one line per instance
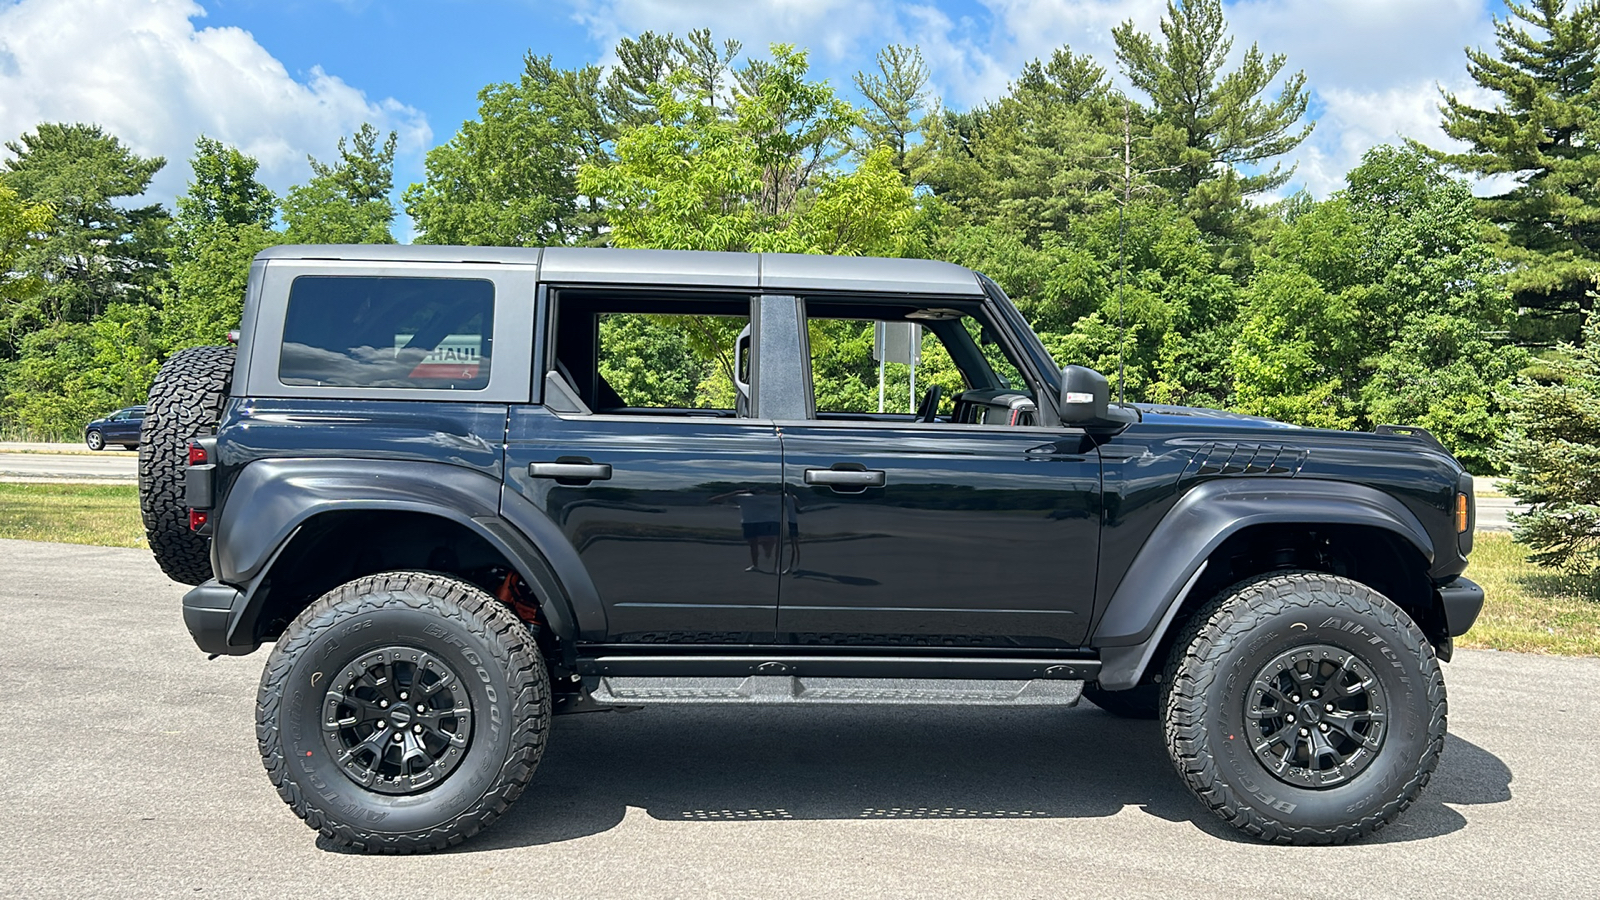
[272, 499]
[1166, 568]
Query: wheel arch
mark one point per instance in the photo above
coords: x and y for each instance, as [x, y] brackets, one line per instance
[292, 529]
[1225, 531]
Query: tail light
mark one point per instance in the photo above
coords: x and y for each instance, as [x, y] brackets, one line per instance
[197, 454]
[197, 519]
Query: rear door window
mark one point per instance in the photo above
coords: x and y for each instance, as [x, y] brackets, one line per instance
[388, 332]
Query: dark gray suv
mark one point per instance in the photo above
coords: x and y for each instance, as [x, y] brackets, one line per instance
[450, 487]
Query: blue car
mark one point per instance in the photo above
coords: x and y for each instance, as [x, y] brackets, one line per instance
[121, 427]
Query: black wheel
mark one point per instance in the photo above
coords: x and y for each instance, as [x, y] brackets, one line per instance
[95, 440]
[1304, 708]
[403, 712]
[185, 402]
[1141, 702]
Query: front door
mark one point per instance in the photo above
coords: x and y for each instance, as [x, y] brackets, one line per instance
[961, 536]
[941, 517]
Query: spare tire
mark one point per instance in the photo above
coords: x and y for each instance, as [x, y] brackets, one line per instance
[185, 402]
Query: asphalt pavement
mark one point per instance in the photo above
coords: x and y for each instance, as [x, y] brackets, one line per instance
[68, 463]
[130, 769]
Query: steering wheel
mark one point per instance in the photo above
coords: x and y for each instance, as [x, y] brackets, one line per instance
[928, 409]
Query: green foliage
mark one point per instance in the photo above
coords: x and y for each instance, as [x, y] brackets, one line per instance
[1553, 454]
[23, 228]
[896, 111]
[1544, 128]
[72, 372]
[224, 190]
[346, 202]
[97, 252]
[510, 177]
[1381, 305]
[224, 220]
[754, 179]
[1211, 124]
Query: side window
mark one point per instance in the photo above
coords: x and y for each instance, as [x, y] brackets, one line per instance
[895, 364]
[655, 356]
[358, 331]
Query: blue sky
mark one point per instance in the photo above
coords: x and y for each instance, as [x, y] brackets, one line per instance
[284, 78]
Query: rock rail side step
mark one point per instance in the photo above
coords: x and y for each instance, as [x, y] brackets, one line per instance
[810, 691]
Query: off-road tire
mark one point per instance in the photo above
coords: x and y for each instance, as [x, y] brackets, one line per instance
[1141, 702]
[185, 402]
[1208, 684]
[498, 662]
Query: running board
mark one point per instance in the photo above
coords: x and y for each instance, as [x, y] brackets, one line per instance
[626, 691]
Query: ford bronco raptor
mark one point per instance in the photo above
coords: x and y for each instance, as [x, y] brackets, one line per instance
[435, 479]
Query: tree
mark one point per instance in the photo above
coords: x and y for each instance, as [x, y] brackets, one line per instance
[896, 110]
[510, 177]
[71, 372]
[346, 202]
[224, 190]
[1036, 159]
[1214, 125]
[1545, 132]
[1553, 454]
[757, 179]
[1380, 305]
[642, 63]
[224, 220]
[23, 227]
[98, 251]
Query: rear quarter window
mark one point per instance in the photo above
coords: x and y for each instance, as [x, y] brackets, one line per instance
[388, 332]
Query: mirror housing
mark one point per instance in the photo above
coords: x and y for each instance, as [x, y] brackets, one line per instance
[1085, 396]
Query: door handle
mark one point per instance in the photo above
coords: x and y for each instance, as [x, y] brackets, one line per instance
[573, 471]
[856, 478]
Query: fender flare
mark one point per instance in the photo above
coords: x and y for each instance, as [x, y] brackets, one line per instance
[1175, 554]
[271, 500]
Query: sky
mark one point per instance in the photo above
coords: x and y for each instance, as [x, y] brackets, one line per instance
[284, 79]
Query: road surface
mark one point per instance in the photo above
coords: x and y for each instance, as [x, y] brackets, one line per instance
[130, 770]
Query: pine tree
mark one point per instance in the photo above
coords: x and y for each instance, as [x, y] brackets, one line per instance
[897, 107]
[99, 251]
[1553, 451]
[1216, 122]
[347, 201]
[1544, 131]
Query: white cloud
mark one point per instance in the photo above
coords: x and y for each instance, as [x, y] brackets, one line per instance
[145, 72]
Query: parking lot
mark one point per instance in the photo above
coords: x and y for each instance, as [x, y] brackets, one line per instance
[130, 770]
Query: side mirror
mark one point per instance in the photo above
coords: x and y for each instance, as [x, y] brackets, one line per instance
[1085, 395]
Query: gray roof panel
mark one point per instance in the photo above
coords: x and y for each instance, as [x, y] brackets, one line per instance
[693, 268]
[404, 253]
[865, 274]
[778, 272]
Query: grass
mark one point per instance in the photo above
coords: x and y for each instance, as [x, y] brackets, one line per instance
[1529, 609]
[106, 515]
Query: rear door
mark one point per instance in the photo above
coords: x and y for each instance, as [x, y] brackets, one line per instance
[964, 530]
[644, 454]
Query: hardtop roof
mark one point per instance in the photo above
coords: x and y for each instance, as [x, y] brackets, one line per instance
[693, 268]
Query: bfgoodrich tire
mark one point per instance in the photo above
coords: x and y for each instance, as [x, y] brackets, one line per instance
[1304, 708]
[185, 402]
[403, 712]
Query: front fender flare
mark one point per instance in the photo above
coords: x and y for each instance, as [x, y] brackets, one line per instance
[1173, 557]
